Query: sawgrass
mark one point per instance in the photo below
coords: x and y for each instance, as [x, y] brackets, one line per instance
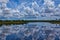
[9, 22]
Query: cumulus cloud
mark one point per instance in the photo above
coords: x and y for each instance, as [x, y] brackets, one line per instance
[0, 12]
[49, 3]
[59, 5]
[35, 5]
[49, 6]
[57, 10]
[24, 10]
[10, 13]
[5, 1]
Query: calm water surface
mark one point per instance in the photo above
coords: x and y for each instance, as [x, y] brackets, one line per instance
[30, 31]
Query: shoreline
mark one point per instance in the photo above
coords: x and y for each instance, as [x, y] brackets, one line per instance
[9, 22]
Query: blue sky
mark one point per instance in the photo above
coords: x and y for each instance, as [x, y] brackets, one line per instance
[17, 2]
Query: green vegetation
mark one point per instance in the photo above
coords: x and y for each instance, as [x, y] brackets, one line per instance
[8, 22]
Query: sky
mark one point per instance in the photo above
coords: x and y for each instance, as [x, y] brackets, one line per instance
[17, 2]
[30, 9]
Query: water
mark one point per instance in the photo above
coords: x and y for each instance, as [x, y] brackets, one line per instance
[30, 31]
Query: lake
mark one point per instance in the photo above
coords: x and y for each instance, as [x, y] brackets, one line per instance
[30, 31]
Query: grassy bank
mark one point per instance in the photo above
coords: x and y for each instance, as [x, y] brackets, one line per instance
[8, 22]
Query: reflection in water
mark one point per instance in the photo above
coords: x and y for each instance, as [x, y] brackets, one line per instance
[30, 31]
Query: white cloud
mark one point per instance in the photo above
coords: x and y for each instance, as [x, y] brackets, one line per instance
[5, 1]
[34, 10]
[35, 6]
[30, 11]
[49, 6]
[27, 9]
[49, 3]
[57, 10]
[7, 13]
[0, 12]
[59, 5]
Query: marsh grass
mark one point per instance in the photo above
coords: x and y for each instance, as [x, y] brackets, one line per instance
[9, 22]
